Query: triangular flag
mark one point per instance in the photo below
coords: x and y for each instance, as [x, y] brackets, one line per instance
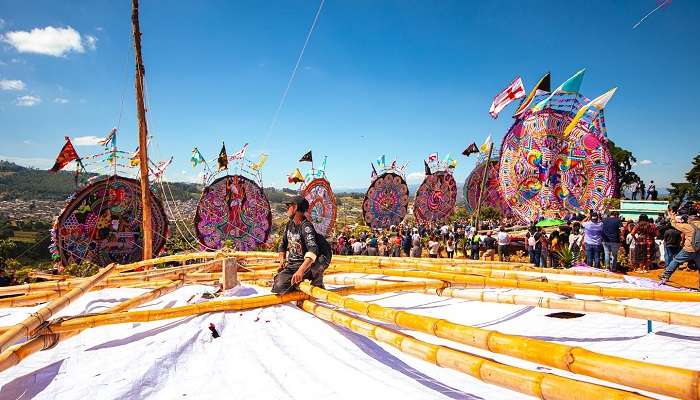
[484, 148]
[572, 85]
[239, 154]
[261, 162]
[110, 139]
[542, 87]
[223, 158]
[381, 161]
[308, 157]
[432, 157]
[427, 168]
[65, 156]
[196, 157]
[323, 165]
[471, 149]
[596, 104]
[374, 171]
[134, 160]
[295, 177]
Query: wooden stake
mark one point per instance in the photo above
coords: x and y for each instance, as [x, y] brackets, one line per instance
[143, 136]
[483, 183]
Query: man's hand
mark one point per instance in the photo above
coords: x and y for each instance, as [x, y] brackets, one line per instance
[298, 276]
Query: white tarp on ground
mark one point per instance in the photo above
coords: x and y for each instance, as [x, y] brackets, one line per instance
[284, 353]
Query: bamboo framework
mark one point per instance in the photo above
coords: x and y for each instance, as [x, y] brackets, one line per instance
[379, 275]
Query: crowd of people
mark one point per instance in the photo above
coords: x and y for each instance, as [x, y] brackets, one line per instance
[601, 241]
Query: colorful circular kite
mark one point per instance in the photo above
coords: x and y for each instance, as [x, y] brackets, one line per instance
[544, 173]
[492, 195]
[233, 208]
[436, 197]
[322, 207]
[102, 224]
[386, 201]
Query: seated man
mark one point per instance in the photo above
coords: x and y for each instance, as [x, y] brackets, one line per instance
[301, 256]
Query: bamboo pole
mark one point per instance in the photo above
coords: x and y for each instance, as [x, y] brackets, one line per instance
[15, 354]
[587, 306]
[671, 381]
[28, 299]
[229, 304]
[565, 289]
[534, 383]
[32, 322]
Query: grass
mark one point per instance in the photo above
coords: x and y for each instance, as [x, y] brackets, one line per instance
[24, 236]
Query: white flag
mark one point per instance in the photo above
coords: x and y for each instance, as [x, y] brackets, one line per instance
[514, 91]
[484, 148]
[239, 154]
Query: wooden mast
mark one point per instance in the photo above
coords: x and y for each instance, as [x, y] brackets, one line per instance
[143, 136]
[483, 183]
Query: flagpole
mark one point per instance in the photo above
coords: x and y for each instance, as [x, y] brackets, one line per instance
[483, 183]
[143, 136]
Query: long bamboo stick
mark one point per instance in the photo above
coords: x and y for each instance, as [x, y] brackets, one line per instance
[232, 304]
[588, 306]
[24, 328]
[28, 299]
[671, 381]
[567, 289]
[534, 383]
[15, 354]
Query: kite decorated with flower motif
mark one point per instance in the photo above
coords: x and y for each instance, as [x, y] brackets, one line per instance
[101, 224]
[437, 195]
[548, 165]
[386, 200]
[492, 195]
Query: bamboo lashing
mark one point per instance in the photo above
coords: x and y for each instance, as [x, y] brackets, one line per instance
[671, 381]
[534, 383]
[24, 328]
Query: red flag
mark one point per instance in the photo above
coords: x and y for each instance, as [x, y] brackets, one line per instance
[66, 155]
[514, 91]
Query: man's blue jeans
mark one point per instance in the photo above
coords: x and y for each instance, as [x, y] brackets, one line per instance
[611, 250]
[593, 253]
[670, 254]
[680, 258]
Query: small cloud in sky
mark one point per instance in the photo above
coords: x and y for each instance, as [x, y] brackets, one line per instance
[12, 84]
[27, 141]
[99, 29]
[645, 162]
[50, 41]
[16, 61]
[60, 100]
[87, 140]
[28, 101]
[415, 177]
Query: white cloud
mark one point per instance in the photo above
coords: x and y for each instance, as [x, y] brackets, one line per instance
[28, 101]
[99, 29]
[645, 162]
[43, 163]
[60, 100]
[415, 177]
[91, 42]
[11, 84]
[86, 140]
[27, 141]
[50, 41]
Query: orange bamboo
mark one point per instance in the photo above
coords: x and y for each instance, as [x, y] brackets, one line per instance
[24, 328]
[534, 383]
[671, 381]
[28, 299]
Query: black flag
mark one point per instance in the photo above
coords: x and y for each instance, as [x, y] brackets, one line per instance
[307, 157]
[374, 171]
[427, 168]
[223, 158]
[472, 149]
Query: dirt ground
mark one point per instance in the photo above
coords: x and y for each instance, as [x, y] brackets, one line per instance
[686, 278]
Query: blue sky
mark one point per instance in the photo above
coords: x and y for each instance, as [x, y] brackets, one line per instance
[401, 78]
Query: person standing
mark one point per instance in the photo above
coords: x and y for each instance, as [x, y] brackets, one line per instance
[416, 245]
[575, 242]
[673, 240]
[450, 247]
[690, 228]
[503, 240]
[490, 246]
[554, 247]
[475, 243]
[592, 239]
[611, 240]
[644, 234]
[635, 190]
[433, 247]
[651, 191]
[537, 246]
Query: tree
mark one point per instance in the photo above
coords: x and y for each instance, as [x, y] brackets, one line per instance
[624, 160]
[689, 190]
